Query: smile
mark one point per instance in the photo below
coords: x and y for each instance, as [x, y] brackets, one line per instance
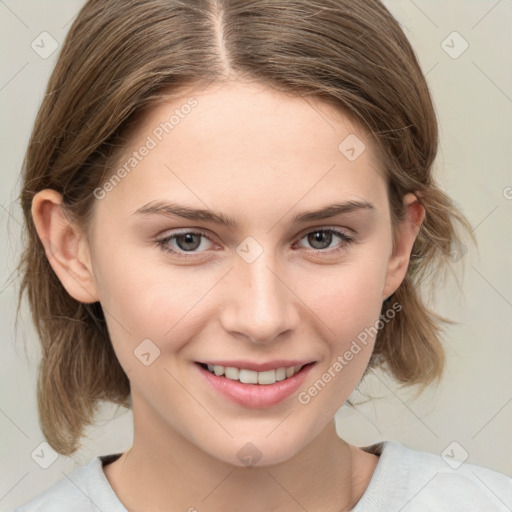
[259, 386]
[246, 376]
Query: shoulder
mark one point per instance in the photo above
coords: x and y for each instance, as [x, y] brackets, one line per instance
[69, 493]
[86, 489]
[414, 481]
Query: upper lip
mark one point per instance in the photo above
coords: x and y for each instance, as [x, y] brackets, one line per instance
[258, 367]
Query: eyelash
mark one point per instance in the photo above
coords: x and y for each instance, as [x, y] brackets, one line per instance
[345, 241]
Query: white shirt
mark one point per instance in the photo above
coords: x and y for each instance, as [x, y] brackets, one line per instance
[404, 480]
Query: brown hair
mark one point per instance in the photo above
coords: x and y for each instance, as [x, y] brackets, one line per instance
[120, 58]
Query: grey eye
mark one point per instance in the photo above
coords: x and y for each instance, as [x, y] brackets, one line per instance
[320, 239]
[188, 241]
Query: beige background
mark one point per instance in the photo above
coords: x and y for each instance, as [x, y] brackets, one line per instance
[473, 97]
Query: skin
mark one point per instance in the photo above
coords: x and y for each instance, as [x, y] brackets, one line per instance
[261, 157]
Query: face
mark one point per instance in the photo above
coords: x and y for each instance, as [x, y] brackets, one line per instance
[257, 280]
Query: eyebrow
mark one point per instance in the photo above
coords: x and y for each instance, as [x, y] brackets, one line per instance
[185, 212]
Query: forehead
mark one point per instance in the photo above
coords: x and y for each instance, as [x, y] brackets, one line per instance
[239, 144]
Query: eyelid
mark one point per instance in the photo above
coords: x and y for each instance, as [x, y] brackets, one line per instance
[184, 231]
[346, 239]
[347, 236]
[349, 233]
[163, 241]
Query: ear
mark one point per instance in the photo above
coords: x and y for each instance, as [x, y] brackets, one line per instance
[406, 233]
[66, 247]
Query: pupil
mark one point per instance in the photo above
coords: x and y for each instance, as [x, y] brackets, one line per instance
[317, 237]
[188, 241]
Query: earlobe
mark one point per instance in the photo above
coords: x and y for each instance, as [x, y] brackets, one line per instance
[65, 245]
[406, 233]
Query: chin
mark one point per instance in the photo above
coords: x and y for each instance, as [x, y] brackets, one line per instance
[259, 451]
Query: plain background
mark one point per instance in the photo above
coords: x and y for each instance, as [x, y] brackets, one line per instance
[470, 415]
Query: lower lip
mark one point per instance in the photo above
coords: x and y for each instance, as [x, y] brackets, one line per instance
[256, 396]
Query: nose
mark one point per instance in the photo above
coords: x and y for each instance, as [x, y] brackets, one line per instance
[259, 306]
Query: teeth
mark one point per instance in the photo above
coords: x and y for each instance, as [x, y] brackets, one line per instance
[218, 370]
[281, 374]
[232, 373]
[248, 377]
[252, 377]
[267, 377]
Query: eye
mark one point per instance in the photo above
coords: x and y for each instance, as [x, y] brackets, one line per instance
[321, 239]
[188, 243]
[183, 243]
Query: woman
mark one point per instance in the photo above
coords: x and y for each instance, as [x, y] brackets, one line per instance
[230, 212]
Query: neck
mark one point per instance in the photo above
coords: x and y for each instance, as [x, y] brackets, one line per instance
[163, 467]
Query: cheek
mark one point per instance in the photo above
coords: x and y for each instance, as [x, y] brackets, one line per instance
[346, 297]
[350, 305]
[144, 298]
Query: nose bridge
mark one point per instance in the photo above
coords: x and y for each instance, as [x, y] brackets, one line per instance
[260, 305]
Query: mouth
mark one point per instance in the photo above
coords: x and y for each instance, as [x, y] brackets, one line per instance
[248, 376]
[247, 387]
